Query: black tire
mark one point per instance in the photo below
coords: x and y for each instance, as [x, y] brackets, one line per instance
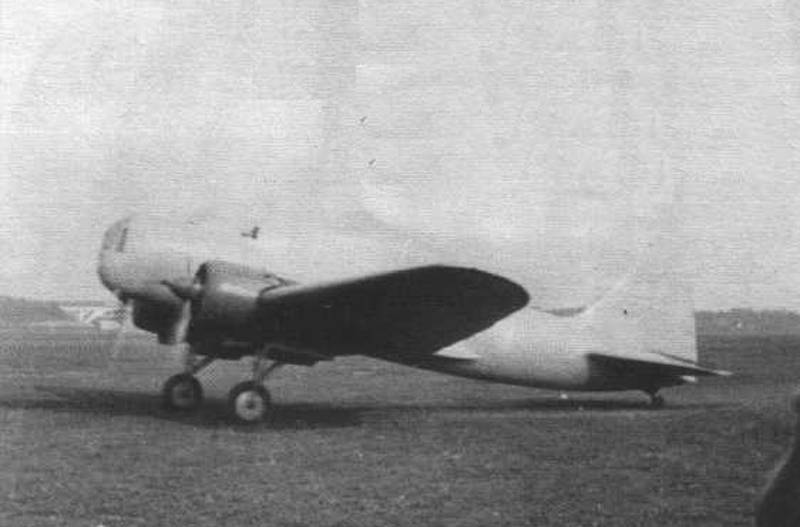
[249, 402]
[182, 392]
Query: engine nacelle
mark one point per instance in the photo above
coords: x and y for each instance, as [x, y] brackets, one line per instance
[227, 302]
[160, 318]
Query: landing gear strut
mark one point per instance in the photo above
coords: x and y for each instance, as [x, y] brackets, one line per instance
[183, 391]
[250, 401]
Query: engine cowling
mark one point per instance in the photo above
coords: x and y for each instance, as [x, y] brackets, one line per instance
[162, 318]
[226, 301]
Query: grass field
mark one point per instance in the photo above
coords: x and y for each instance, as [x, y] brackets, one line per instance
[84, 442]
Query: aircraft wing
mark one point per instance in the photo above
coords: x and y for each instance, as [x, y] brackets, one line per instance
[397, 314]
[652, 364]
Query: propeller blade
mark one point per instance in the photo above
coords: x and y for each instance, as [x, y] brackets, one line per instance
[126, 322]
[182, 328]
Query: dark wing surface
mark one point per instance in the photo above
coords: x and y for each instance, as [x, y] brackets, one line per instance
[397, 314]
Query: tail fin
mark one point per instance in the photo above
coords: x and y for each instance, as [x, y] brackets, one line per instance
[649, 311]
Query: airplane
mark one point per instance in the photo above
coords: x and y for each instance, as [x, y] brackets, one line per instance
[446, 318]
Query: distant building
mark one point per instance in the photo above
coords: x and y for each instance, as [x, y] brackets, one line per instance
[101, 316]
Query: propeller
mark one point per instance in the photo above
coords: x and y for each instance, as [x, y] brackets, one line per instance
[182, 328]
[125, 324]
[187, 290]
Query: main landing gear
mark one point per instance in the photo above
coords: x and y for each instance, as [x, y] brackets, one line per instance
[248, 401]
[183, 391]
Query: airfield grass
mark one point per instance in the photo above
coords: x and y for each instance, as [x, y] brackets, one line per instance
[84, 442]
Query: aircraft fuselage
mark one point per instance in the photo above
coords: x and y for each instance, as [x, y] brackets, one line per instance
[528, 347]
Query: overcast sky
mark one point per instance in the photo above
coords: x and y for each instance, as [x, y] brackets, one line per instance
[560, 137]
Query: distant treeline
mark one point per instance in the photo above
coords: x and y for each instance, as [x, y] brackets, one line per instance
[747, 322]
[21, 312]
[737, 322]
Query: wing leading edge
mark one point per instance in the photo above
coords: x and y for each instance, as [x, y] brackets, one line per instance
[403, 313]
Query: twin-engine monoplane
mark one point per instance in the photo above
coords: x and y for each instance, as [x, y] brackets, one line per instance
[451, 319]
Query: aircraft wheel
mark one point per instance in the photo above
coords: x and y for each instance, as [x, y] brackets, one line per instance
[182, 392]
[249, 402]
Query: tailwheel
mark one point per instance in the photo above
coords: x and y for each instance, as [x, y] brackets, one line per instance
[656, 400]
[182, 392]
[249, 402]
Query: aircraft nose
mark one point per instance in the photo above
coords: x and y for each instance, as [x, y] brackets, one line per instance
[108, 272]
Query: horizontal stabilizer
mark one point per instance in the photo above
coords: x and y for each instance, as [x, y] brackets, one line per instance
[460, 353]
[402, 313]
[653, 364]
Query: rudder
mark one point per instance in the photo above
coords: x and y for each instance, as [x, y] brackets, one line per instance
[648, 311]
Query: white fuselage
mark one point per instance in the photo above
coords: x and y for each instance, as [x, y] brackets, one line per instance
[529, 347]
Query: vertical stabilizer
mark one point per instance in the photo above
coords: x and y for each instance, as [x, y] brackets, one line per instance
[648, 311]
